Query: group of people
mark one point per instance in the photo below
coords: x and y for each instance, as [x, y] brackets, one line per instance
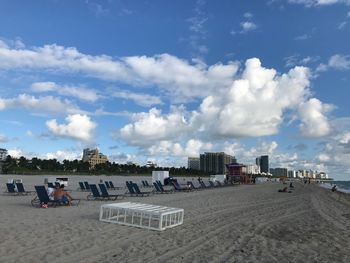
[58, 194]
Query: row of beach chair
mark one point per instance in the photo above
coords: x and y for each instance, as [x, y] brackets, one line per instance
[16, 189]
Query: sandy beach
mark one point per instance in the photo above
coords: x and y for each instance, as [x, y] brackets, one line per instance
[246, 223]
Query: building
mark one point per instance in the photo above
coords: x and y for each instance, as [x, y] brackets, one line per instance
[263, 163]
[151, 164]
[322, 175]
[252, 169]
[292, 174]
[193, 163]
[215, 162]
[279, 172]
[3, 154]
[93, 157]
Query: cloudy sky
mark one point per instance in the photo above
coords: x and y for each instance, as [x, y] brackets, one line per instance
[163, 80]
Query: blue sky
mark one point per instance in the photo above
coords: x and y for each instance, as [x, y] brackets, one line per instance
[163, 80]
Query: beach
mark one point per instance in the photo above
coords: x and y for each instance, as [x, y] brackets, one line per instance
[243, 223]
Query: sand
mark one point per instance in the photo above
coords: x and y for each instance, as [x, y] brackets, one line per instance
[246, 223]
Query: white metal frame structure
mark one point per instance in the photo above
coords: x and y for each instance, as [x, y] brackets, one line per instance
[142, 215]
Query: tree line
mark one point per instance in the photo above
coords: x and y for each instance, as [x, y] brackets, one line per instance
[52, 166]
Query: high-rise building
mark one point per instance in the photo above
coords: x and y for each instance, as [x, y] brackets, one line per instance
[279, 172]
[93, 157]
[3, 154]
[193, 163]
[263, 163]
[215, 162]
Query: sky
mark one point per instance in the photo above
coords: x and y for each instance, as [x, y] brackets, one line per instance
[163, 80]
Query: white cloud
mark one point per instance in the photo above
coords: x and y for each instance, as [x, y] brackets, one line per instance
[248, 26]
[302, 37]
[312, 115]
[43, 86]
[78, 127]
[46, 104]
[310, 3]
[348, 15]
[167, 148]
[248, 15]
[15, 153]
[3, 138]
[178, 77]
[139, 98]
[81, 93]
[61, 155]
[254, 105]
[342, 25]
[337, 61]
[152, 126]
[297, 60]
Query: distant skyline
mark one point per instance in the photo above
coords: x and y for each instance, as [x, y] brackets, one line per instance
[163, 80]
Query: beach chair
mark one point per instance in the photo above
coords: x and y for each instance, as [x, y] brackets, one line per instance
[42, 197]
[21, 191]
[95, 194]
[159, 185]
[81, 186]
[147, 184]
[143, 183]
[190, 183]
[137, 190]
[50, 185]
[115, 187]
[107, 185]
[211, 184]
[11, 189]
[87, 186]
[177, 187]
[106, 195]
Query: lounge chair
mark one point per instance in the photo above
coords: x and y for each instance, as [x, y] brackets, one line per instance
[147, 184]
[43, 198]
[106, 195]
[158, 185]
[82, 186]
[143, 183]
[50, 185]
[193, 187]
[133, 190]
[95, 194]
[115, 187]
[177, 187]
[137, 190]
[87, 185]
[11, 189]
[107, 185]
[211, 184]
[21, 191]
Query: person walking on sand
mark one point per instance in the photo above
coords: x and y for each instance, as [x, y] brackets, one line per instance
[62, 196]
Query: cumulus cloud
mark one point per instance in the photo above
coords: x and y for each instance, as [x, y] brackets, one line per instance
[152, 126]
[39, 104]
[180, 78]
[141, 99]
[192, 148]
[81, 93]
[312, 115]
[77, 126]
[254, 105]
